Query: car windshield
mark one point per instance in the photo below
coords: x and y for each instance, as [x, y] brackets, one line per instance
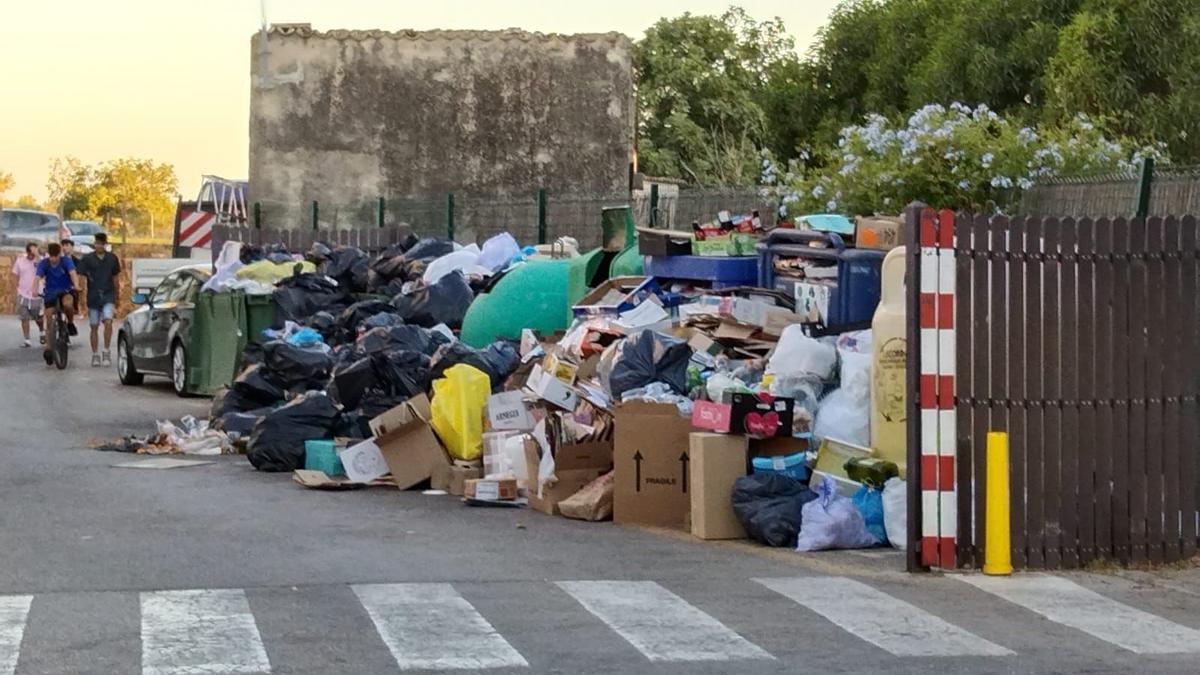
[83, 227]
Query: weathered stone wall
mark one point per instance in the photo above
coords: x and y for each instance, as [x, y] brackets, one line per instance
[344, 117]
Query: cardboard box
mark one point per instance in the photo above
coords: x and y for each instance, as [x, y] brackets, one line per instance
[491, 489]
[760, 415]
[618, 294]
[773, 447]
[882, 233]
[363, 461]
[507, 412]
[650, 457]
[453, 478]
[552, 390]
[408, 444]
[717, 461]
[575, 466]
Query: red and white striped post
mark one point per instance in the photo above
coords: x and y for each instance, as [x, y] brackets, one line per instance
[939, 518]
[948, 507]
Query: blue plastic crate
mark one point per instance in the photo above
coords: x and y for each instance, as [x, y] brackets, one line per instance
[321, 455]
[793, 466]
[855, 293]
[718, 272]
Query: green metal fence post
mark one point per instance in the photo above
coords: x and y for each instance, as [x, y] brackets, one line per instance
[315, 214]
[257, 216]
[450, 216]
[541, 215]
[654, 205]
[382, 206]
[1147, 181]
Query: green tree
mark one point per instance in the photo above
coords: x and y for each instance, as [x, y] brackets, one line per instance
[137, 194]
[28, 202]
[701, 84]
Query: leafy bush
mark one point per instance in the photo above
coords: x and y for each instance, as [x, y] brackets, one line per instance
[955, 157]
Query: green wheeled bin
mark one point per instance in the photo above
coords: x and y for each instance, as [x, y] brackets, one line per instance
[260, 315]
[217, 337]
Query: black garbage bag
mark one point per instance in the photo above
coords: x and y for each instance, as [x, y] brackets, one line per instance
[445, 301]
[650, 357]
[277, 441]
[399, 338]
[319, 253]
[376, 402]
[768, 507]
[352, 381]
[231, 402]
[498, 360]
[429, 247]
[278, 253]
[292, 367]
[403, 373]
[352, 424]
[240, 422]
[382, 320]
[325, 324]
[250, 254]
[255, 385]
[353, 316]
[300, 296]
[348, 266]
[253, 353]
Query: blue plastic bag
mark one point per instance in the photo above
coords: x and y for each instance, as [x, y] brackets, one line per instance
[832, 522]
[869, 503]
[305, 338]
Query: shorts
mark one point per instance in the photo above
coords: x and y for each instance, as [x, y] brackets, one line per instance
[29, 309]
[105, 313]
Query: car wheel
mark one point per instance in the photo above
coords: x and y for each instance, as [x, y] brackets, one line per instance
[125, 368]
[179, 369]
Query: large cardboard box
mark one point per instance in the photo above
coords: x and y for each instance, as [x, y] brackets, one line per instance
[717, 461]
[650, 458]
[882, 233]
[575, 466]
[408, 444]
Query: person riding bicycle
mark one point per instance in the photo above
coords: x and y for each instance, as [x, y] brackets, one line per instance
[57, 278]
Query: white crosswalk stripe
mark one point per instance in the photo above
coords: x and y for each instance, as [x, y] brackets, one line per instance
[199, 632]
[1070, 604]
[660, 624]
[432, 627]
[14, 610]
[886, 622]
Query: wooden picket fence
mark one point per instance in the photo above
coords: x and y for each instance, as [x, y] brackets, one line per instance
[369, 239]
[1079, 338]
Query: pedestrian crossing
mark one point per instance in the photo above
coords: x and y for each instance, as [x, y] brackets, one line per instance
[437, 627]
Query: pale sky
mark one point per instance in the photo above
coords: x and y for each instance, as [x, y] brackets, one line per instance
[169, 79]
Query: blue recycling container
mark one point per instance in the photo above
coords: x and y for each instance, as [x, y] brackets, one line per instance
[855, 289]
[715, 271]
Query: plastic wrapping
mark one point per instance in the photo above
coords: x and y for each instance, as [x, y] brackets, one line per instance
[769, 507]
[798, 354]
[648, 357]
[277, 441]
[869, 503]
[458, 402]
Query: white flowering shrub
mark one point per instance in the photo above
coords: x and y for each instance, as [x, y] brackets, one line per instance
[955, 157]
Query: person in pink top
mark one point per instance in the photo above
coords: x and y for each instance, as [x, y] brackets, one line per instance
[29, 303]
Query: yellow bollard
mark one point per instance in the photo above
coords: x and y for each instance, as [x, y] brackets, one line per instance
[997, 558]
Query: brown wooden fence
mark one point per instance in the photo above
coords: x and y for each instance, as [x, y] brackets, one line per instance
[370, 239]
[1080, 339]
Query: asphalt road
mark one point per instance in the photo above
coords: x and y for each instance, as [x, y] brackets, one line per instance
[219, 568]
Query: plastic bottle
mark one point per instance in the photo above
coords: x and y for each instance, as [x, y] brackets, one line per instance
[888, 407]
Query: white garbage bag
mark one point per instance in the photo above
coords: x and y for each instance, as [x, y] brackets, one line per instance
[895, 512]
[832, 521]
[798, 354]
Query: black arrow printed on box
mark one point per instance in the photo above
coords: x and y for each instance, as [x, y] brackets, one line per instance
[637, 464]
[683, 459]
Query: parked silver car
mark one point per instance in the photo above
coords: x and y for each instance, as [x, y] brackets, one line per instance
[21, 226]
[83, 233]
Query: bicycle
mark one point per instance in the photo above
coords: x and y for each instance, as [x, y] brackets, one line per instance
[58, 337]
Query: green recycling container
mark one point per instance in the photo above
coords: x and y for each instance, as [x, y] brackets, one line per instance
[260, 314]
[217, 337]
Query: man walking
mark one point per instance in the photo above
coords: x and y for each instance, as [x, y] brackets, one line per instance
[29, 303]
[102, 271]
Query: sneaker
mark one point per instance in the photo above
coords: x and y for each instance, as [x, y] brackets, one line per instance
[95, 360]
[26, 344]
[107, 360]
[42, 338]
